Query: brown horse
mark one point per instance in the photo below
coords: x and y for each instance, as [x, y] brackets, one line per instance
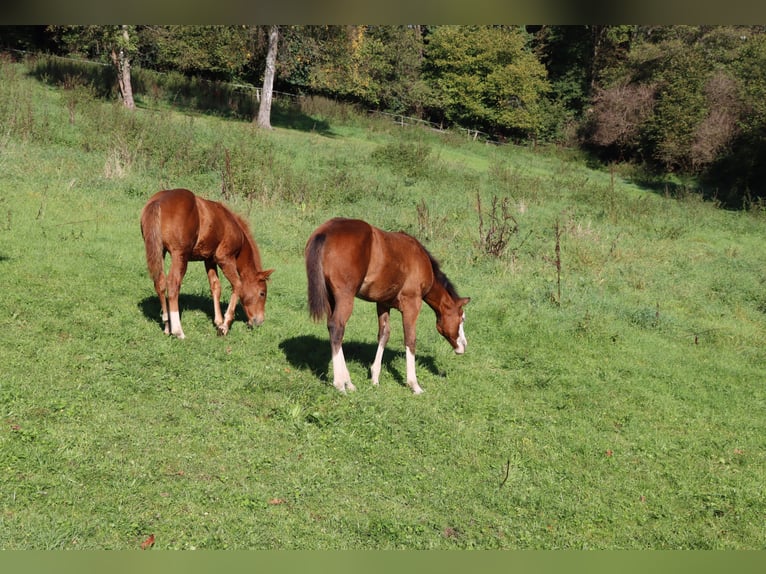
[195, 229]
[347, 258]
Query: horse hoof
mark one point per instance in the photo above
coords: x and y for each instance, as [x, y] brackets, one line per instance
[221, 331]
[342, 387]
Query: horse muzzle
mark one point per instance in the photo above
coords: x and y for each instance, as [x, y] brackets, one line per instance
[461, 342]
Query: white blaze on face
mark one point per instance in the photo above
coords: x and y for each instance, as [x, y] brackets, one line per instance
[462, 342]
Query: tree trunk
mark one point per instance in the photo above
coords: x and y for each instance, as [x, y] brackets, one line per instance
[264, 110]
[122, 63]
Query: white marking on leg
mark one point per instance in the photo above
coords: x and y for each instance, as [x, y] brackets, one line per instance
[341, 378]
[376, 365]
[166, 322]
[175, 324]
[462, 342]
[412, 379]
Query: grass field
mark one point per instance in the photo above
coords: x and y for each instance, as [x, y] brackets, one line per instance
[612, 396]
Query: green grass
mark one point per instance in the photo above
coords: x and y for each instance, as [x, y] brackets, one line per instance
[629, 414]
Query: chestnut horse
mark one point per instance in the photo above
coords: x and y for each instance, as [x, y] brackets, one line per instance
[348, 258]
[191, 228]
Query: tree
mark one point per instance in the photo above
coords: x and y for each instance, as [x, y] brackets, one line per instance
[338, 59]
[263, 119]
[737, 177]
[486, 76]
[219, 53]
[671, 99]
[112, 43]
[396, 73]
[379, 66]
[121, 60]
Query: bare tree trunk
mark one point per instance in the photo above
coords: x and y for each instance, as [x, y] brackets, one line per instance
[264, 110]
[122, 63]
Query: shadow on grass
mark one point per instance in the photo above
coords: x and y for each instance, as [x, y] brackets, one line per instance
[307, 352]
[213, 97]
[290, 117]
[150, 307]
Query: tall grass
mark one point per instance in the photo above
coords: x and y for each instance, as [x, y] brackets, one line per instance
[614, 400]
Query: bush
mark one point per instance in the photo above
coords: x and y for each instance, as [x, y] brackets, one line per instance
[407, 158]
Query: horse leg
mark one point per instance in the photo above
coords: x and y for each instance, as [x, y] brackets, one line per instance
[175, 276]
[160, 286]
[215, 290]
[336, 325]
[410, 311]
[384, 332]
[229, 269]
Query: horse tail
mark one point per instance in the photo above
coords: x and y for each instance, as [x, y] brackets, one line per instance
[319, 299]
[151, 230]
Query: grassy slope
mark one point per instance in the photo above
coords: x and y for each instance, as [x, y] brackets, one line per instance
[630, 416]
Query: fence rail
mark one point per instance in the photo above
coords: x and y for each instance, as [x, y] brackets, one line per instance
[403, 120]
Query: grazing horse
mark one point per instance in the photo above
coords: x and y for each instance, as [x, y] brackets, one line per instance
[347, 258]
[195, 229]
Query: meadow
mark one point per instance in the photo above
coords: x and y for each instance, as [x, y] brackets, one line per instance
[611, 397]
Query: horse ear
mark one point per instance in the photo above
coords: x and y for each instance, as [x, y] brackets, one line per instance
[463, 301]
[265, 274]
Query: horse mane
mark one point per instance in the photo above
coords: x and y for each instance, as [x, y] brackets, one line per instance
[442, 278]
[438, 273]
[245, 228]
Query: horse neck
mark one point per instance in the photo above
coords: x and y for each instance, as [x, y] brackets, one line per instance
[249, 258]
[437, 298]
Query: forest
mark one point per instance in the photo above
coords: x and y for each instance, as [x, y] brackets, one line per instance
[671, 101]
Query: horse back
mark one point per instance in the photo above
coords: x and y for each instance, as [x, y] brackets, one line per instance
[373, 264]
[221, 231]
[399, 265]
[172, 215]
[199, 228]
[346, 252]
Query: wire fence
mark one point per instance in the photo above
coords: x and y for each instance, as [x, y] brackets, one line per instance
[402, 120]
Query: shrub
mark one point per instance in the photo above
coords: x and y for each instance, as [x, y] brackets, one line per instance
[407, 158]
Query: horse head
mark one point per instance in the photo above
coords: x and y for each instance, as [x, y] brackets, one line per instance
[449, 323]
[253, 297]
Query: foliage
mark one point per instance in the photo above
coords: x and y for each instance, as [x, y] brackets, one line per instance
[377, 65]
[737, 175]
[486, 76]
[400, 86]
[501, 225]
[214, 52]
[408, 158]
[566, 53]
[680, 99]
[94, 41]
[679, 109]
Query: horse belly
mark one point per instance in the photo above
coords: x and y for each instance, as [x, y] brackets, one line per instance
[389, 274]
[378, 292]
[203, 249]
